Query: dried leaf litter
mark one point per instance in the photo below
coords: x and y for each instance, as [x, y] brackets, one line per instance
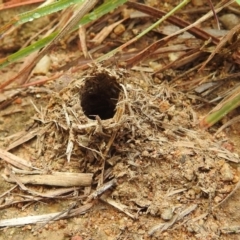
[116, 125]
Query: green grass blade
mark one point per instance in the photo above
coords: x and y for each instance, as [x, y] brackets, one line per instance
[39, 12]
[26, 51]
[219, 112]
[113, 52]
[98, 12]
[46, 10]
[105, 8]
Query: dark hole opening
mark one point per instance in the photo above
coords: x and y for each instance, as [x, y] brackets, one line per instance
[100, 96]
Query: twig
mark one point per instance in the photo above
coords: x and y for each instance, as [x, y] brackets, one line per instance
[101, 190]
[15, 160]
[230, 122]
[55, 217]
[121, 207]
[45, 217]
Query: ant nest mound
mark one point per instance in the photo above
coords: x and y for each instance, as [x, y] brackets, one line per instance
[144, 136]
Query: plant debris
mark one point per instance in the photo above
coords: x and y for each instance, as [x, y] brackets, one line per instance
[140, 147]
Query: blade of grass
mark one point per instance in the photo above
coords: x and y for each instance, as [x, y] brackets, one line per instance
[26, 51]
[153, 12]
[37, 13]
[97, 13]
[86, 6]
[222, 109]
[113, 52]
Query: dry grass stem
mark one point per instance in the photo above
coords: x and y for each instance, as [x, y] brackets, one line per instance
[60, 179]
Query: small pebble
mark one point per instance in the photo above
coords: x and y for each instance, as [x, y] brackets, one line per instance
[198, 3]
[209, 163]
[191, 194]
[167, 214]
[226, 172]
[119, 29]
[189, 174]
[225, 189]
[229, 20]
[154, 210]
[217, 199]
[43, 65]
[145, 153]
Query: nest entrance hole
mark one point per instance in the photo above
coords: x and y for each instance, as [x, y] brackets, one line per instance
[99, 96]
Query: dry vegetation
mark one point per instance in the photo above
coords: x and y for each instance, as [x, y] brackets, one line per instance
[120, 152]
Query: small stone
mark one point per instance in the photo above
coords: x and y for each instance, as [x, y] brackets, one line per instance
[167, 214]
[43, 65]
[119, 29]
[229, 20]
[226, 172]
[217, 199]
[190, 194]
[225, 189]
[189, 174]
[145, 153]
[198, 3]
[209, 163]
[153, 210]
